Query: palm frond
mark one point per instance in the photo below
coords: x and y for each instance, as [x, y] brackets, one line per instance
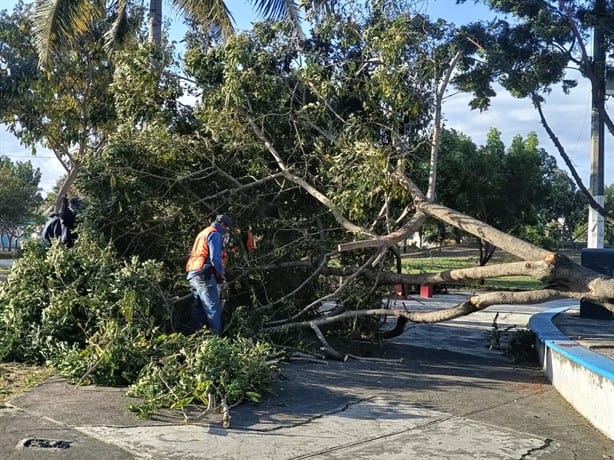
[293, 16]
[281, 10]
[208, 12]
[57, 23]
[277, 9]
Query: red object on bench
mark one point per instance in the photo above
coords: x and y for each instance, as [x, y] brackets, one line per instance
[426, 290]
[399, 292]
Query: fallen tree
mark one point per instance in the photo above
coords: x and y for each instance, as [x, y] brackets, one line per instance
[562, 277]
[324, 166]
[324, 162]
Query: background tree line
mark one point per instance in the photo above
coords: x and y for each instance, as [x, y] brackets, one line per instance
[20, 201]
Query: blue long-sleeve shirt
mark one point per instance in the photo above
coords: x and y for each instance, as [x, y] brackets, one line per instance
[215, 243]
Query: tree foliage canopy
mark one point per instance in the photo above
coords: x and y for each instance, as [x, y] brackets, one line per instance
[527, 192]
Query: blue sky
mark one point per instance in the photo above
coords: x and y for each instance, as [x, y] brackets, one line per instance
[569, 116]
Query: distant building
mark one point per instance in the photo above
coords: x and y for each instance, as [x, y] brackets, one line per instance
[5, 241]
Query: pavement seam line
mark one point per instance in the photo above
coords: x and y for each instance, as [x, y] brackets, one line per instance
[376, 438]
[506, 403]
[44, 417]
[308, 420]
[67, 426]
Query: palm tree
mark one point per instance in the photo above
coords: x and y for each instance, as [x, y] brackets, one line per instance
[57, 22]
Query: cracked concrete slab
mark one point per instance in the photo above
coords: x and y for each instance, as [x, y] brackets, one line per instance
[17, 427]
[452, 438]
[361, 430]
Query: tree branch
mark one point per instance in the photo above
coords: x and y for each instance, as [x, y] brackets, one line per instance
[471, 305]
[325, 345]
[349, 226]
[596, 206]
[508, 243]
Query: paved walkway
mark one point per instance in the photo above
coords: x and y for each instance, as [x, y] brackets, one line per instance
[443, 394]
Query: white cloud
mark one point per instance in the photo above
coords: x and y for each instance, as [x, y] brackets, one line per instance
[569, 116]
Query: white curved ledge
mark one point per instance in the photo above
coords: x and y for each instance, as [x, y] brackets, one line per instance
[584, 378]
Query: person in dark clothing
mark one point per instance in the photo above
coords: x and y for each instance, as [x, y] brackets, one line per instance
[68, 215]
[60, 225]
[52, 229]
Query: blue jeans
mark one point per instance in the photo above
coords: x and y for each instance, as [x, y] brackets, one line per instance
[207, 291]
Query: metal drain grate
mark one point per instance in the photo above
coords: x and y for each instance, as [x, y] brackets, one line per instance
[36, 443]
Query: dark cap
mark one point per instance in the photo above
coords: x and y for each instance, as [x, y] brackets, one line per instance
[75, 203]
[224, 219]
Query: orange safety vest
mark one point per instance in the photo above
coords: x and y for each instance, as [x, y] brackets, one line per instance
[250, 244]
[200, 250]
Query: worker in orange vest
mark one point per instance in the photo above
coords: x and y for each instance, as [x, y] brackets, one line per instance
[205, 269]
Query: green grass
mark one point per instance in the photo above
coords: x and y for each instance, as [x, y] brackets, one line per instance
[436, 264]
[512, 283]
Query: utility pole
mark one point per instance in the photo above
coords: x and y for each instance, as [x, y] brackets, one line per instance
[596, 221]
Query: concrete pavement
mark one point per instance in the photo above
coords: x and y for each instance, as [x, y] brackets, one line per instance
[442, 394]
[4, 263]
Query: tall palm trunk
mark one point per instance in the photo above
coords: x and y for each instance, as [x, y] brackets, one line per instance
[155, 22]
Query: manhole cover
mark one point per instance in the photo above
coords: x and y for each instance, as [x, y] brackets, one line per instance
[36, 443]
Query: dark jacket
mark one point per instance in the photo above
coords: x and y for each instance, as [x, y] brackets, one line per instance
[67, 219]
[60, 225]
[52, 229]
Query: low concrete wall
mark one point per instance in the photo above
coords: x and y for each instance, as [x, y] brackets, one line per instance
[584, 378]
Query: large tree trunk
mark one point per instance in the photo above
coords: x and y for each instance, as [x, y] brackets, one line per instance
[563, 278]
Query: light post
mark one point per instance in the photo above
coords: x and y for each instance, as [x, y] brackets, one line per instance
[596, 221]
[595, 256]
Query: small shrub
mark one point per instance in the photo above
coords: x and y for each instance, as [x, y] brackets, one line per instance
[518, 345]
[192, 367]
[521, 347]
[72, 307]
[496, 334]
